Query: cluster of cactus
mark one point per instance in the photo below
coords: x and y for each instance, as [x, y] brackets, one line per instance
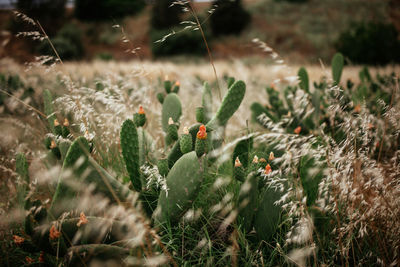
[170, 88]
[184, 166]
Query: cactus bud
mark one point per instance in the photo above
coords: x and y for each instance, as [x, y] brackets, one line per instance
[66, 122]
[255, 159]
[238, 171]
[53, 144]
[54, 233]
[185, 141]
[271, 156]
[201, 141]
[297, 130]
[82, 219]
[268, 169]
[176, 87]
[56, 123]
[160, 97]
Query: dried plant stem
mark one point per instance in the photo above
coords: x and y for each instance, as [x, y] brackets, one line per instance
[193, 11]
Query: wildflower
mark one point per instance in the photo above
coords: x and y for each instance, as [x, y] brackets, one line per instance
[29, 260]
[54, 233]
[268, 169]
[297, 130]
[18, 240]
[202, 134]
[271, 156]
[82, 219]
[237, 162]
[66, 122]
[141, 110]
[255, 159]
[53, 144]
[41, 257]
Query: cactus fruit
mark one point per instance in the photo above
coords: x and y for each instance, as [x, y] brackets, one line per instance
[140, 117]
[130, 152]
[248, 201]
[160, 98]
[304, 82]
[238, 170]
[230, 104]
[185, 141]
[266, 226]
[337, 67]
[172, 132]
[183, 183]
[163, 167]
[200, 117]
[171, 108]
[201, 141]
[167, 86]
[48, 109]
[65, 128]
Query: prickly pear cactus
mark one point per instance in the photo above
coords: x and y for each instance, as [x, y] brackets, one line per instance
[185, 141]
[201, 145]
[171, 108]
[337, 67]
[183, 183]
[230, 104]
[130, 152]
[248, 201]
[268, 216]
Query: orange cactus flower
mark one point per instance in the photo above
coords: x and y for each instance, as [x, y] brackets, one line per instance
[263, 160]
[82, 219]
[54, 233]
[53, 144]
[29, 260]
[255, 159]
[297, 130]
[141, 110]
[66, 122]
[268, 169]
[18, 240]
[41, 257]
[177, 83]
[237, 162]
[56, 123]
[202, 134]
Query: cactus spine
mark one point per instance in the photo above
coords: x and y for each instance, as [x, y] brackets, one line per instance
[183, 183]
[130, 152]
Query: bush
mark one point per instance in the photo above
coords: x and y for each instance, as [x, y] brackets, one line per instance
[164, 15]
[372, 43]
[187, 42]
[67, 42]
[107, 9]
[229, 17]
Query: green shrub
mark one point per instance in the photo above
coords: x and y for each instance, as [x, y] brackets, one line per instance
[107, 9]
[229, 17]
[67, 42]
[164, 15]
[186, 42]
[372, 43]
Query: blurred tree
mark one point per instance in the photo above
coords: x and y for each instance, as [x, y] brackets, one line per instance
[49, 13]
[229, 17]
[107, 9]
[164, 15]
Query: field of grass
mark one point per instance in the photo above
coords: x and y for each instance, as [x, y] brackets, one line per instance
[327, 195]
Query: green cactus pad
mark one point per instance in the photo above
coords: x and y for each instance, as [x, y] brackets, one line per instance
[130, 152]
[337, 67]
[242, 150]
[230, 81]
[200, 116]
[238, 173]
[64, 145]
[183, 183]
[186, 143]
[304, 82]
[167, 86]
[230, 104]
[172, 132]
[163, 167]
[248, 201]
[171, 108]
[160, 98]
[268, 216]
